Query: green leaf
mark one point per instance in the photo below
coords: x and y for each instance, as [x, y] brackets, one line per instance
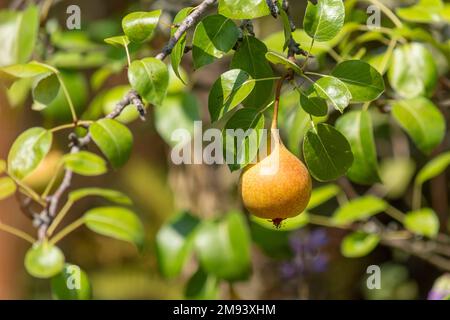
[356, 126]
[363, 81]
[277, 58]
[139, 26]
[334, 90]
[118, 41]
[202, 286]
[250, 57]
[223, 247]
[422, 120]
[213, 36]
[359, 244]
[322, 194]
[323, 21]
[71, 284]
[240, 145]
[243, 9]
[359, 209]
[116, 222]
[111, 195]
[425, 11]
[150, 78]
[28, 150]
[178, 50]
[178, 111]
[230, 89]
[44, 260]
[7, 187]
[423, 222]
[114, 140]
[297, 222]
[46, 89]
[327, 153]
[174, 243]
[27, 70]
[85, 163]
[412, 71]
[433, 168]
[18, 34]
[313, 105]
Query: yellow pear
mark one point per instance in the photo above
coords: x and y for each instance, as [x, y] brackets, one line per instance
[277, 186]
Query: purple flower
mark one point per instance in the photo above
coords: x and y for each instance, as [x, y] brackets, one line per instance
[441, 288]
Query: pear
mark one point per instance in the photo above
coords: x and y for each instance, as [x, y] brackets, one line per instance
[277, 186]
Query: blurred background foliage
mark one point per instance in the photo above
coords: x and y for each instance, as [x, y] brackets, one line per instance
[305, 263]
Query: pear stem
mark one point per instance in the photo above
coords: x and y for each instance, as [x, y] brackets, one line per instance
[277, 102]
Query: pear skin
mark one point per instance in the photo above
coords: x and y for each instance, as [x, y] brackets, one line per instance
[276, 187]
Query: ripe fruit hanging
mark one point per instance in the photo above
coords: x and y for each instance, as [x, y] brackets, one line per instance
[278, 186]
[279, 194]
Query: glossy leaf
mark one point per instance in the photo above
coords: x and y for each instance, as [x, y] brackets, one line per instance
[72, 283]
[46, 89]
[178, 50]
[359, 244]
[213, 36]
[114, 140]
[28, 150]
[241, 149]
[116, 222]
[243, 9]
[18, 34]
[433, 168]
[118, 41]
[313, 105]
[356, 126]
[359, 209]
[7, 187]
[139, 26]
[202, 286]
[230, 89]
[277, 58]
[223, 247]
[415, 116]
[412, 71]
[327, 153]
[111, 195]
[363, 81]
[174, 243]
[150, 78]
[323, 21]
[85, 163]
[250, 57]
[423, 222]
[44, 260]
[334, 90]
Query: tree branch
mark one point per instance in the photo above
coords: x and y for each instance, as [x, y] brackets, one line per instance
[46, 217]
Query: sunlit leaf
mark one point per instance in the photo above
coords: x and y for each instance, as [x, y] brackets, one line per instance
[116, 222]
[433, 168]
[359, 209]
[423, 222]
[359, 244]
[324, 20]
[111, 195]
[7, 187]
[243, 9]
[28, 150]
[178, 50]
[44, 260]
[85, 163]
[139, 26]
[334, 90]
